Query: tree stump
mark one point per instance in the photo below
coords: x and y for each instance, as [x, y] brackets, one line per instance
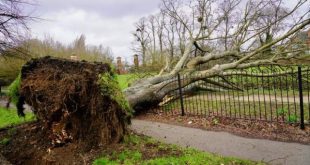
[75, 101]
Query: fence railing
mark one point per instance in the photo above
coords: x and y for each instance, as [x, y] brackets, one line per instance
[266, 93]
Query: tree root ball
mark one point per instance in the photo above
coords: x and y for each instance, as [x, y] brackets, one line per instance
[75, 101]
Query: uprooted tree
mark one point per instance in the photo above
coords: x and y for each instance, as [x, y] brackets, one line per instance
[75, 101]
[225, 35]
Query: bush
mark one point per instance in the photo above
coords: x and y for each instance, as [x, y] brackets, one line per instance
[13, 90]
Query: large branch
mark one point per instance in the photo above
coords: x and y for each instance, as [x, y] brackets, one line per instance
[200, 60]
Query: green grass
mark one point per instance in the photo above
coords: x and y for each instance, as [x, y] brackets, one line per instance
[13, 90]
[241, 107]
[125, 79]
[9, 117]
[143, 150]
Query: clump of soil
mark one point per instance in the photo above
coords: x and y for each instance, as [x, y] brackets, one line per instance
[28, 145]
[79, 109]
[71, 102]
[247, 128]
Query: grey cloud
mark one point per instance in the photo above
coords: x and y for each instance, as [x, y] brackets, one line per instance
[110, 8]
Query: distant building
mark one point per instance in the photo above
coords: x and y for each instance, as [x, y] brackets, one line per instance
[120, 67]
[136, 61]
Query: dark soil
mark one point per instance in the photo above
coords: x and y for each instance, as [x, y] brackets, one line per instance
[69, 103]
[247, 128]
[28, 145]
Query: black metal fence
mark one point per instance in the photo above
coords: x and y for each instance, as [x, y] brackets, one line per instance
[267, 93]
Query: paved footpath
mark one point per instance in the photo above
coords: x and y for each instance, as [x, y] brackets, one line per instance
[226, 144]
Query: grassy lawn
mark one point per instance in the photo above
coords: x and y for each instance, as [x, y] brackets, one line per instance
[9, 117]
[125, 79]
[144, 150]
[240, 107]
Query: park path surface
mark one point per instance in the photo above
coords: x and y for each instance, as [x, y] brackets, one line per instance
[12, 106]
[226, 144]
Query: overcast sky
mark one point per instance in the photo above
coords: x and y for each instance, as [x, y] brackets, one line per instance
[106, 22]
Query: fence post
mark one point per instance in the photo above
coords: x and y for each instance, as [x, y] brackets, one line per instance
[181, 95]
[301, 102]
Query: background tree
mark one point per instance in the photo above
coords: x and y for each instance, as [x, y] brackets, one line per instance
[142, 37]
[13, 22]
[11, 62]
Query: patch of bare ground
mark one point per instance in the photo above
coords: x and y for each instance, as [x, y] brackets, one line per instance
[247, 128]
[28, 145]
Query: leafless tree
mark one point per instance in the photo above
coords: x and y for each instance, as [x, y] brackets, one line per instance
[13, 22]
[142, 36]
[233, 25]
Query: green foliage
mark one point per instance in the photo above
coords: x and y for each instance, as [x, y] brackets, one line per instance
[9, 117]
[125, 157]
[281, 111]
[132, 139]
[12, 63]
[110, 88]
[129, 156]
[13, 90]
[4, 141]
[194, 157]
[105, 161]
[292, 119]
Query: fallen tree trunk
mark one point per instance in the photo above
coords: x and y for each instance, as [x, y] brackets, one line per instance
[149, 92]
[75, 101]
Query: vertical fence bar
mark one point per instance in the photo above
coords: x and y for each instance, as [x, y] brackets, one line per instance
[229, 102]
[196, 99]
[248, 94]
[265, 104]
[204, 112]
[225, 102]
[243, 96]
[288, 97]
[293, 86]
[274, 70]
[281, 93]
[238, 94]
[253, 92]
[269, 94]
[211, 96]
[181, 95]
[220, 92]
[234, 99]
[302, 124]
[258, 89]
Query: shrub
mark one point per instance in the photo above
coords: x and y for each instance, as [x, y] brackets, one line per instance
[13, 90]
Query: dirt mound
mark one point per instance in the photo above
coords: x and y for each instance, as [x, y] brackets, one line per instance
[76, 102]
